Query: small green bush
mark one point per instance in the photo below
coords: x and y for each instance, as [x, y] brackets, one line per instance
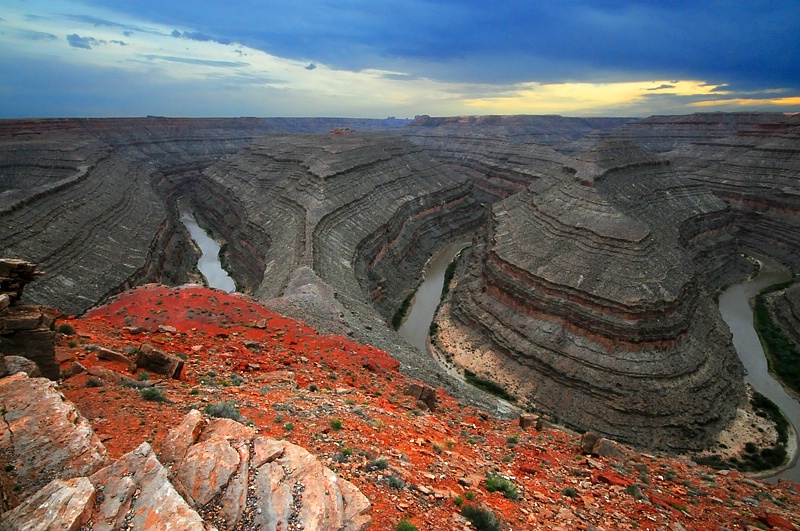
[405, 525]
[569, 492]
[66, 329]
[499, 483]
[337, 424]
[224, 410]
[153, 394]
[396, 482]
[289, 426]
[378, 464]
[482, 519]
[142, 376]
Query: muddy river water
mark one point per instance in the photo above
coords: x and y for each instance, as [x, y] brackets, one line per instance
[734, 304]
[209, 264]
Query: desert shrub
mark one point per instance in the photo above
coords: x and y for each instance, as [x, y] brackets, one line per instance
[499, 483]
[395, 482]
[289, 426]
[378, 464]
[337, 424]
[94, 382]
[66, 329]
[224, 410]
[487, 385]
[153, 394]
[142, 376]
[405, 525]
[569, 492]
[482, 519]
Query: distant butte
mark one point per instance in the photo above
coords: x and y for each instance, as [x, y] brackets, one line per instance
[599, 243]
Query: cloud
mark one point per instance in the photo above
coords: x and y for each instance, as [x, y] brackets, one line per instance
[100, 22]
[31, 35]
[664, 86]
[200, 37]
[121, 43]
[310, 66]
[193, 61]
[76, 41]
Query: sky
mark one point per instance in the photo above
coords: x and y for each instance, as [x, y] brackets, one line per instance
[379, 58]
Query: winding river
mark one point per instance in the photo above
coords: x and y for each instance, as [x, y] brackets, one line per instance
[734, 304]
[418, 320]
[209, 264]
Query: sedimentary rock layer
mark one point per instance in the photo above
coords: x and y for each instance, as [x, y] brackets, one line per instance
[92, 201]
[593, 286]
[756, 171]
[363, 211]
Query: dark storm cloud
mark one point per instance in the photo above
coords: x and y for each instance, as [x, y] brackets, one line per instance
[514, 40]
[310, 66]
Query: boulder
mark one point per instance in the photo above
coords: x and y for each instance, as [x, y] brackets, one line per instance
[594, 444]
[44, 434]
[423, 393]
[529, 420]
[159, 362]
[64, 505]
[15, 364]
[236, 478]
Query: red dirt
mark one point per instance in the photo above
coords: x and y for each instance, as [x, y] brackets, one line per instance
[230, 357]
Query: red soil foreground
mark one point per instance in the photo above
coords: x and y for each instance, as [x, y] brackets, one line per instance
[344, 402]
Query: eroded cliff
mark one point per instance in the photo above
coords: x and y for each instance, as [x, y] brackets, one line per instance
[591, 290]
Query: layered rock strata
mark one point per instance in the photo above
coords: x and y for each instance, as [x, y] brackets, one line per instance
[756, 171]
[93, 201]
[591, 290]
[363, 211]
[25, 330]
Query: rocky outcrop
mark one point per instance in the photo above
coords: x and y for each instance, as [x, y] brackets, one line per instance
[238, 480]
[25, 330]
[592, 291]
[221, 475]
[42, 436]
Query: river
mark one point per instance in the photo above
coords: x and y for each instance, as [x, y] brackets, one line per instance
[734, 304]
[208, 264]
[418, 320]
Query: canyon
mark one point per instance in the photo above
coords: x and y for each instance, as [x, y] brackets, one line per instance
[598, 244]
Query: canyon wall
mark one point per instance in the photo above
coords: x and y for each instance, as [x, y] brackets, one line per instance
[591, 289]
[600, 242]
